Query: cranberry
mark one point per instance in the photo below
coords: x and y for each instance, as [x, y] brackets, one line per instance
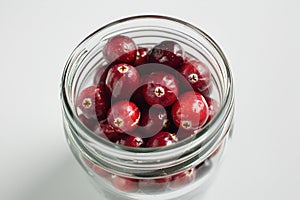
[160, 88]
[138, 98]
[162, 139]
[94, 102]
[141, 56]
[132, 140]
[183, 178]
[100, 171]
[87, 162]
[213, 107]
[107, 131]
[168, 53]
[100, 76]
[89, 123]
[120, 49]
[197, 74]
[124, 184]
[190, 112]
[123, 116]
[153, 120]
[154, 184]
[122, 80]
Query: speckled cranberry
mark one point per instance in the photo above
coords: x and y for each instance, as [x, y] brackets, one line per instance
[160, 88]
[133, 140]
[124, 116]
[197, 74]
[141, 56]
[153, 120]
[183, 178]
[162, 139]
[124, 184]
[94, 102]
[122, 80]
[190, 112]
[213, 108]
[168, 53]
[120, 49]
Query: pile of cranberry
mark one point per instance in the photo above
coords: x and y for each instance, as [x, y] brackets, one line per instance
[147, 98]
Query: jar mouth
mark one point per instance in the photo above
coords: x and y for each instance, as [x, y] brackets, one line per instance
[187, 145]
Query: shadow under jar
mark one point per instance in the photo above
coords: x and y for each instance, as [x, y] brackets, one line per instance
[182, 170]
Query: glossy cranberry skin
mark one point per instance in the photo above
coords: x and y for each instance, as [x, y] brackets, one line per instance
[94, 102]
[162, 139]
[213, 108]
[141, 56]
[122, 80]
[120, 49]
[190, 111]
[183, 178]
[133, 140]
[160, 88]
[124, 116]
[107, 131]
[124, 184]
[168, 53]
[153, 120]
[197, 74]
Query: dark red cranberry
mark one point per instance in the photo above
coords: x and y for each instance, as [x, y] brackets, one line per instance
[107, 131]
[160, 88]
[153, 120]
[168, 53]
[122, 80]
[124, 116]
[183, 178]
[141, 56]
[101, 172]
[197, 74]
[213, 107]
[154, 184]
[190, 112]
[89, 123]
[100, 76]
[138, 98]
[94, 102]
[162, 139]
[132, 140]
[120, 49]
[124, 184]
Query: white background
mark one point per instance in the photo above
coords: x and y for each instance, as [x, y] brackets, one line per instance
[260, 39]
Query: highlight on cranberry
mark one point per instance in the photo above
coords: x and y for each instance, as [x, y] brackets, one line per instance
[135, 102]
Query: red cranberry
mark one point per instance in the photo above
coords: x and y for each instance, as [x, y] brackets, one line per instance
[89, 123]
[107, 131]
[94, 102]
[197, 74]
[122, 80]
[120, 49]
[132, 140]
[124, 116]
[213, 107]
[141, 56]
[162, 139]
[168, 53]
[101, 172]
[100, 76]
[190, 111]
[183, 178]
[160, 88]
[124, 184]
[153, 120]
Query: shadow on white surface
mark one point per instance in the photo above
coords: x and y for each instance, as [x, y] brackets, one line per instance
[66, 181]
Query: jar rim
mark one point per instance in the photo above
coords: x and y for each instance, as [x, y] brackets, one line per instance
[224, 109]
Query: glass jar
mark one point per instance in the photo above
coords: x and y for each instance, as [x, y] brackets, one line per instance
[179, 171]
